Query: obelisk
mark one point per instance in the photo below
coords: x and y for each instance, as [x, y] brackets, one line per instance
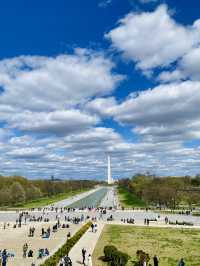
[109, 171]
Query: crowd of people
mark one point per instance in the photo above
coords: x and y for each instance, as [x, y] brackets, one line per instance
[128, 221]
[24, 218]
[61, 218]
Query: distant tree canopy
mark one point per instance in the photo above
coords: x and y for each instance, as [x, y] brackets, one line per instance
[16, 190]
[166, 191]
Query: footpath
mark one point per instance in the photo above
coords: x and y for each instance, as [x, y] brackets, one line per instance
[88, 241]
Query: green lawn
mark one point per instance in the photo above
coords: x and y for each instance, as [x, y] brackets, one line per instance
[170, 244]
[50, 200]
[129, 200]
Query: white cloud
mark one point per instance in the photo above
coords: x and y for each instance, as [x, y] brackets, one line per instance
[41, 83]
[164, 113]
[102, 106]
[163, 118]
[187, 68]
[190, 64]
[21, 141]
[171, 76]
[153, 39]
[83, 155]
[27, 153]
[45, 94]
[55, 104]
[59, 122]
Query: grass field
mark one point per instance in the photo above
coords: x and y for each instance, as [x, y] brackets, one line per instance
[50, 200]
[129, 200]
[169, 244]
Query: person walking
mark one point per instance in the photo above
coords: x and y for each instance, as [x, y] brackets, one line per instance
[181, 262]
[92, 227]
[25, 249]
[4, 257]
[95, 227]
[83, 255]
[155, 260]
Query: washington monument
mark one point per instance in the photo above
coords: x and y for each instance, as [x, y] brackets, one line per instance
[110, 180]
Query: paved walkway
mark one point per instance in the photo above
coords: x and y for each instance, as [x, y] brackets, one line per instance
[87, 241]
[14, 239]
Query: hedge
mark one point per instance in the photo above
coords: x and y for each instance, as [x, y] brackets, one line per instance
[115, 257]
[120, 258]
[64, 250]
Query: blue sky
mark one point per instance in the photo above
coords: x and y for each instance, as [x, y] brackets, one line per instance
[81, 79]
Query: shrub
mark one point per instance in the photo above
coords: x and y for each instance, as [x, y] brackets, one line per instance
[115, 257]
[119, 259]
[109, 251]
[142, 256]
[64, 250]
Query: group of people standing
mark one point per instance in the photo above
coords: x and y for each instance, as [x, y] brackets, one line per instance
[86, 261]
[156, 262]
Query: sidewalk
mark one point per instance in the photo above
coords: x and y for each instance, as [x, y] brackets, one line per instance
[153, 224]
[87, 241]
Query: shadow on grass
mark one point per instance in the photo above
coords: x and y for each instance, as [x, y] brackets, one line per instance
[102, 258]
[135, 263]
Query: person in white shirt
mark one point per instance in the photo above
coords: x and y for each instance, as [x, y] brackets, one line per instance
[89, 260]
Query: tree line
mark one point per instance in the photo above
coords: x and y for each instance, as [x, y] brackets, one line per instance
[16, 190]
[170, 192]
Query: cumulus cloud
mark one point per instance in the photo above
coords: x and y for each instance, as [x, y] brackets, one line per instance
[83, 155]
[153, 39]
[27, 153]
[163, 117]
[53, 109]
[58, 122]
[45, 83]
[167, 112]
[102, 106]
[187, 68]
[44, 94]
[171, 76]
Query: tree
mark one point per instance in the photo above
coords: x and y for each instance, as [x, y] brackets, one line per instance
[5, 197]
[33, 192]
[17, 193]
